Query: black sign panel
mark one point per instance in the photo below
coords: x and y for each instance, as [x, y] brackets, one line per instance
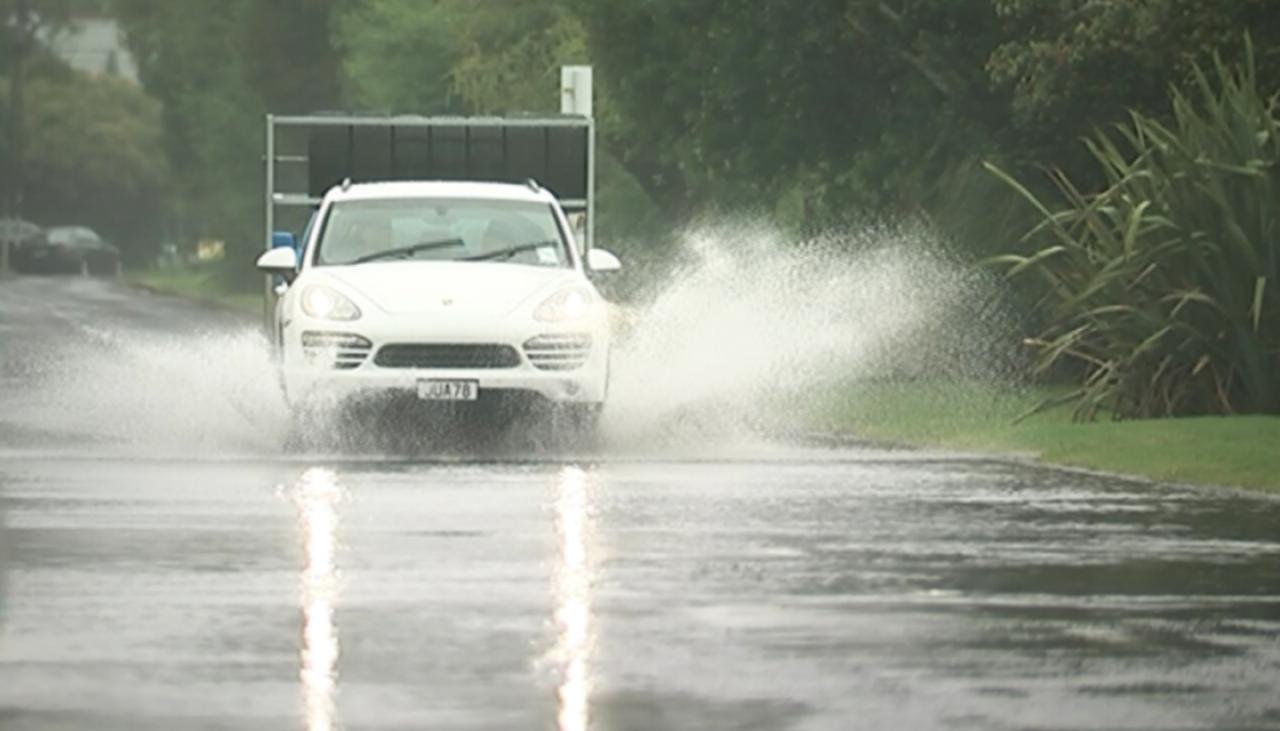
[556, 155]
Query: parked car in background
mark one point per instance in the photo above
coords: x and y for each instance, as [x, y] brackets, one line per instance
[67, 249]
[16, 234]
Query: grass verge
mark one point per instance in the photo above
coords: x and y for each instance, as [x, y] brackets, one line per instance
[195, 284]
[1238, 451]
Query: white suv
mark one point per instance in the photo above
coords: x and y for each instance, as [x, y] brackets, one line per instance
[446, 291]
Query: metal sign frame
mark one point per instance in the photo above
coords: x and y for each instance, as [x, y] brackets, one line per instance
[295, 199]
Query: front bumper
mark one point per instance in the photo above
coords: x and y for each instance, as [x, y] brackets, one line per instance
[351, 369]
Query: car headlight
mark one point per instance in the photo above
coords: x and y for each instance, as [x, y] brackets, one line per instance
[567, 305]
[324, 303]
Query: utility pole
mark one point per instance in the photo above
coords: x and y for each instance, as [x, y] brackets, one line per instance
[20, 31]
[20, 27]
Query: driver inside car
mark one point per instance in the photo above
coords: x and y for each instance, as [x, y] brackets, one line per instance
[504, 234]
[366, 238]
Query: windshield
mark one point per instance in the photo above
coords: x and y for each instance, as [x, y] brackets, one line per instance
[513, 232]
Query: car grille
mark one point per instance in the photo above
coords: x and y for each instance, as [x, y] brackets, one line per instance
[340, 351]
[447, 355]
[558, 352]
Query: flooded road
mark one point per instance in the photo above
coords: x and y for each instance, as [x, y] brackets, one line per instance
[168, 571]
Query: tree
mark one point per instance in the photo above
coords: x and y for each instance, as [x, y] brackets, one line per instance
[21, 23]
[450, 56]
[498, 57]
[79, 149]
[218, 66]
[96, 158]
[1071, 66]
[509, 58]
[290, 57]
[189, 57]
[834, 97]
[398, 55]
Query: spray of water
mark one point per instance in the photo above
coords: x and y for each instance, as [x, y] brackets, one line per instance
[737, 339]
[137, 393]
[752, 328]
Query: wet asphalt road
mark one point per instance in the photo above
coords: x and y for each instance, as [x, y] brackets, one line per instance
[169, 568]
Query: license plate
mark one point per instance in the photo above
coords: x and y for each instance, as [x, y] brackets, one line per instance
[441, 390]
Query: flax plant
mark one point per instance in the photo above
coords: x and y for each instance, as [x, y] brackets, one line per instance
[1163, 285]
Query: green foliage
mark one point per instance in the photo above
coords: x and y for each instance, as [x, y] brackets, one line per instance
[91, 146]
[203, 283]
[818, 114]
[451, 56]
[509, 57]
[190, 58]
[499, 57]
[1235, 451]
[218, 66]
[95, 157]
[397, 55]
[290, 60]
[1163, 286]
[1073, 65]
[882, 106]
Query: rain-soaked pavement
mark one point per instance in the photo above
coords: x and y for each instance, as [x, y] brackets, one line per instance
[197, 583]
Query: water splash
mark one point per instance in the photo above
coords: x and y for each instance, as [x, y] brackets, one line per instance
[752, 322]
[139, 393]
[740, 338]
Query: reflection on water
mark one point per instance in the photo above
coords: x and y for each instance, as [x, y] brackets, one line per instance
[317, 497]
[573, 598]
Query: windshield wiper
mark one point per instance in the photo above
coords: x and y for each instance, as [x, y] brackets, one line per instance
[405, 252]
[510, 252]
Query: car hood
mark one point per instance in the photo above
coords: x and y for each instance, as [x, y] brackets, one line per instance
[482, 288]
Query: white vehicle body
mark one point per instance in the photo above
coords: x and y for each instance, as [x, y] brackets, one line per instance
[414, 326]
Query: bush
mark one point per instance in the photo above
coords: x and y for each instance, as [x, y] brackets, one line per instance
[1163, 286]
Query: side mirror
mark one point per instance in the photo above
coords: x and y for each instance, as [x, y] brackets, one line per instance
[599, 260]
[282, 261]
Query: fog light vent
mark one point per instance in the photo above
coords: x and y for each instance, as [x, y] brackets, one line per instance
[558, 352]
[339, 351]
